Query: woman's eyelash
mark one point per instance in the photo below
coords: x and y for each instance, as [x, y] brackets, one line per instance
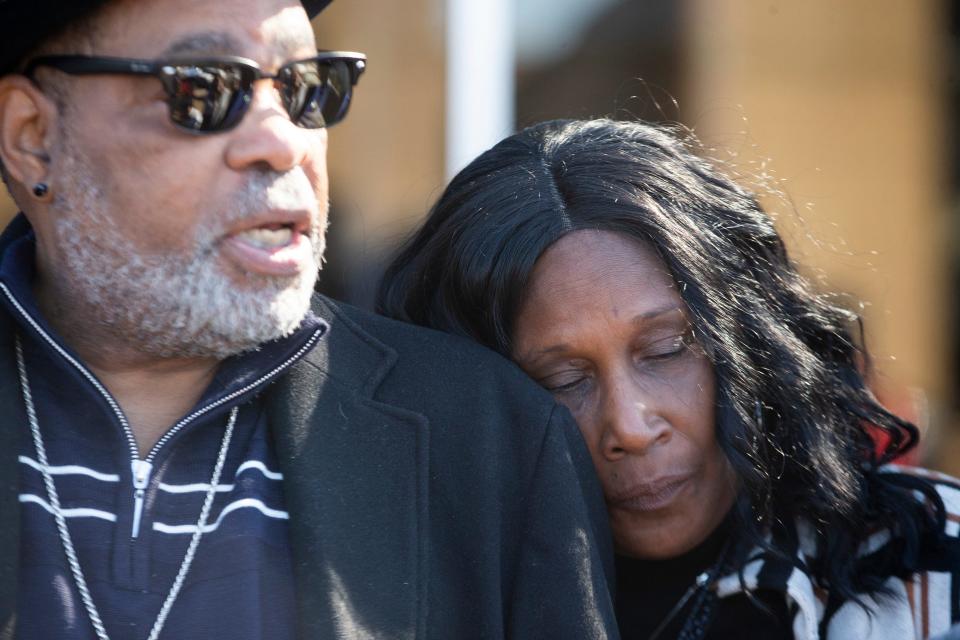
[568, 386]
[677, 346]
[677, 349]
[670, 348]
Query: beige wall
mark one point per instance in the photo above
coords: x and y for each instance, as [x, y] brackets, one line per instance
[845, 97]
[386, 159]
[7, 208]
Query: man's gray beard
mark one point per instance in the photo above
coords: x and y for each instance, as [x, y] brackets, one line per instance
[179, 305]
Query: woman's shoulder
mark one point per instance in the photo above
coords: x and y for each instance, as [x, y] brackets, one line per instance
[919, 605]
[925, 603]
[946, 486]
[937, 478]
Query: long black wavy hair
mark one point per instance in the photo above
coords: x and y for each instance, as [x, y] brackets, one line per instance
[792, 404]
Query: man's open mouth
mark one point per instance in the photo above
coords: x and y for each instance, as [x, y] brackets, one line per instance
[275, 244]
[268, 237]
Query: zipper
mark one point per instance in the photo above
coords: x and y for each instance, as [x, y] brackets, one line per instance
[141, 478]
[143, 468]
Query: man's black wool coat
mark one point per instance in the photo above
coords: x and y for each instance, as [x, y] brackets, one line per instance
[433, 490]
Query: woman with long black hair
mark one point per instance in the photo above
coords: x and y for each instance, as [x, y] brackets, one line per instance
[722, 399]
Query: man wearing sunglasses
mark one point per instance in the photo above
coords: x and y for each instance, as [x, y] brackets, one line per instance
[188, 449]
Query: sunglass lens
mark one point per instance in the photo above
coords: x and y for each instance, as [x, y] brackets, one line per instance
[317, 92]
[208, 97]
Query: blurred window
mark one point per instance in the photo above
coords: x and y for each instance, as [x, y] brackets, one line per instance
[591, 58]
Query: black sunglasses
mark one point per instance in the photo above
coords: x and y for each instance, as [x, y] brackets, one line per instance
[212, 94]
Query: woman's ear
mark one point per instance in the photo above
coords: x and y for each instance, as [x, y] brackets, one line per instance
[27, 120]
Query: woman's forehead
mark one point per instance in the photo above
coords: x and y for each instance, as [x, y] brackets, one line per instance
[586, 258]
[590, 277]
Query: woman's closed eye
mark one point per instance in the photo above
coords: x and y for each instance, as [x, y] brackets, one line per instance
[666, 349]
[659, 351]
[562, 382]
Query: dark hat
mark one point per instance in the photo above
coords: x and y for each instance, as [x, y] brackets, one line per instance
[24, 24]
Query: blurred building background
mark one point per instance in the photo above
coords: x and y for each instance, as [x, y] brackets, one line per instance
[846, 113]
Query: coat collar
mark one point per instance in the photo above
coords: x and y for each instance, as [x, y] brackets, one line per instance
[355, 482]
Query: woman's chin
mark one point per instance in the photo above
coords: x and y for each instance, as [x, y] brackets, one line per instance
[658, 540]
[660, 535]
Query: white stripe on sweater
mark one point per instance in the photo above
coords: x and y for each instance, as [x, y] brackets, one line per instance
[221, 488]
[79, 512]
[70, 470]
[73, 469]
[256, 464]
[246, 503]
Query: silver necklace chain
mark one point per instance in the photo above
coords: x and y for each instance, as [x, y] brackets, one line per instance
[67, 541]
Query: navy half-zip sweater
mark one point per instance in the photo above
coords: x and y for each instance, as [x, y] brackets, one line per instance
[131, 517]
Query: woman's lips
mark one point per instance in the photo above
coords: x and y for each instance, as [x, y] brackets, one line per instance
[649, 496]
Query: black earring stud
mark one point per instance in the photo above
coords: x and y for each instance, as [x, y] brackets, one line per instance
[41, 189]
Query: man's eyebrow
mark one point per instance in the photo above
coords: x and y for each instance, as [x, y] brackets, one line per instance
[286, 44]
[207, 42]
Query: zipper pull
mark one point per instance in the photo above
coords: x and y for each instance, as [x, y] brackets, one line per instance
[141, 478]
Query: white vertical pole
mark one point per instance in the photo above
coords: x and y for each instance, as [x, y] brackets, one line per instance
[480, 78]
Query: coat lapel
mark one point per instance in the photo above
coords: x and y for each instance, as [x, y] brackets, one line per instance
[355, 477]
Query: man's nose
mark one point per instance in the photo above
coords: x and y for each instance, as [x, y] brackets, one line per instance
[633, 422]
[268, 139]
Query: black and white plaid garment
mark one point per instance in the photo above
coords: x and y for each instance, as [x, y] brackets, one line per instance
[925, 606]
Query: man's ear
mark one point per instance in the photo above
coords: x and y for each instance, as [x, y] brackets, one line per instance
[27, 120]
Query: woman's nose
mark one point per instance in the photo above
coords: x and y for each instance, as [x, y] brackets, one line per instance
[633, 422]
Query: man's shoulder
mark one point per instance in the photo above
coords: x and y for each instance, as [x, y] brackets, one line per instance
[472, 398]
[431, 357]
